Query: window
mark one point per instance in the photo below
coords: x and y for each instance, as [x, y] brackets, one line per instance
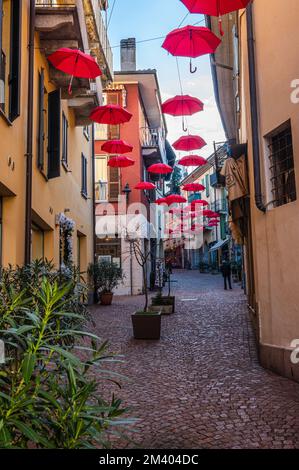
[83, 175]
[10, 57]
[38, 243]
[109, 249]
[65, 126]
[54, 121]
[42, 121]
[101, 178]
[282, 172]
[113, 184]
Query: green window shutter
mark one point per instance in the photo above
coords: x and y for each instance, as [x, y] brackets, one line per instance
[54, 124]
[15, 60]
[41, 120]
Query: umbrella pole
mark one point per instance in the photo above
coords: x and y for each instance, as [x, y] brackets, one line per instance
[220, 26]
[70, 85]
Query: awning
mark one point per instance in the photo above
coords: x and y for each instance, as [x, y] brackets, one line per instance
[219, 245]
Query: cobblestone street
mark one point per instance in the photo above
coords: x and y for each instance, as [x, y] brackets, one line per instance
[200, 386]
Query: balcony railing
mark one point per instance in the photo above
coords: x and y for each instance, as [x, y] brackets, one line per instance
[151, 138]
[104, 40]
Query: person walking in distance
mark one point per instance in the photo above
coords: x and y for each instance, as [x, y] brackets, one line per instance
[226, 273]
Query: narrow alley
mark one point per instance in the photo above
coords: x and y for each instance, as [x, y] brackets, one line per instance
[201, 385]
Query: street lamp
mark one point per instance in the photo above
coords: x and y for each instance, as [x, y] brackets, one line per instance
[127, 192]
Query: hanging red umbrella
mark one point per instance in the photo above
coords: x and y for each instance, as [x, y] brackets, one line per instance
[188, 143]
[117, 147]
[216, 215]
[208, 213]
[191, 41]
[75, 63]
[175, 199]
[192, 160]
[182, 105]
[161, 201]
[215, 7]
[110, 114]
[120, 162]
[213, 224]
[160, 169]
[193, 187]
[144, 185]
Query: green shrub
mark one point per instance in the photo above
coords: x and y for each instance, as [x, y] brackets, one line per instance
[105, 276]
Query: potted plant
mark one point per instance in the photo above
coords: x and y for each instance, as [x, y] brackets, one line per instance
[146, 322]
[165, 304]
[105, 276]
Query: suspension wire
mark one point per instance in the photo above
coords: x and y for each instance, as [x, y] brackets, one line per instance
[111, 13]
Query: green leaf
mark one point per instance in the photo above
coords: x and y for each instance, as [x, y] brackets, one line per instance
[28, 366]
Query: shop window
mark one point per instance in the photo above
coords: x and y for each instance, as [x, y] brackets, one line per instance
[282, 171]
[83, 175]
[109, 249]
[54, 123]
[65, 128]
[38, 243]
[10, 57]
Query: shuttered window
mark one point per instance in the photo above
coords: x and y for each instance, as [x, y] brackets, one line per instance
[15, 60]
[83, 175]
[113, 183]
[113, 130]
[65, 127]
[54, 122]
[41, 121]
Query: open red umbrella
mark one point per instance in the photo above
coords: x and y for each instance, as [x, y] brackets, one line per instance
[187, 143]
[144, 185]
[175, 199]
[207, 213]
[215, 7]
[120, 162]
[161, 201]
[160, 169]
[75, 63]
[192, 160]
[110, 114]
[191, 41]
[117, 147]
[182, 105]
[194, 187]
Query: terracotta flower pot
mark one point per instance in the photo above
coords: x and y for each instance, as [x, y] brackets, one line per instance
[146, 325]
[106, 298]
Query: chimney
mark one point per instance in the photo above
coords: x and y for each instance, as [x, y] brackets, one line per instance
[128, 55]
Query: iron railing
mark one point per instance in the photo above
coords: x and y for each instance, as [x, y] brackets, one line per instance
[153, 138]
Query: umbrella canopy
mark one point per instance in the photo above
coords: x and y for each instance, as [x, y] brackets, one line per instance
[160, 169]
[175, 198]
[145, 186]
[193, 187]
[192, 160]
[182, 105]
[215, 7]
[201, 202]
[120, 162]
[191, 41]
[75, 63]
[213, 224]
[110, 114]
[117, 147]
[161, 201]
[208, 213]
[187, 143]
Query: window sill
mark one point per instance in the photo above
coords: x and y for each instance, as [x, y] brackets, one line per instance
[6, 119]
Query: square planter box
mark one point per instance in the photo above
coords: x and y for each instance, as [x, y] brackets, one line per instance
[167, 306]
[147, 326]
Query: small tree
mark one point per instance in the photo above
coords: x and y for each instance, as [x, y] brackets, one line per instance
[142, 257]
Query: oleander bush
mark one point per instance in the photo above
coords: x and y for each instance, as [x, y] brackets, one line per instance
[49, 382]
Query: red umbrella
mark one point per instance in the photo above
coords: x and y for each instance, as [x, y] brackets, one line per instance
[215, 7]
[145, 186]
[191, 41]
[117, 147]
[208, 213]
[194, 187]
[120, 162]
[175, 199]
[201, 202]
[182, 105]
[192, 160]
[160, 169]
[110, 114]
[75, 63]
[188, 143]
[213, 224]
[160, 201]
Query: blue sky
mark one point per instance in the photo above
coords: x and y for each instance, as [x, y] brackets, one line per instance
[144, 19]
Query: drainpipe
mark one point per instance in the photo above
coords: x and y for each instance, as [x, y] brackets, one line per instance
[94, 238]
[254, 111]
[28, 155]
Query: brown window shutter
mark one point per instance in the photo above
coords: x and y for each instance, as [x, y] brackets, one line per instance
[114, 183]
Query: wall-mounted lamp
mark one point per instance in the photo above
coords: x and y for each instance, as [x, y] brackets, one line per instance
[127, 192]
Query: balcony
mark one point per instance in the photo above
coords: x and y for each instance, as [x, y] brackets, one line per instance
[153, 145]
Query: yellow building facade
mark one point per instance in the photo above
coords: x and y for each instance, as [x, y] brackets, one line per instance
[256, 82]
[46, 170]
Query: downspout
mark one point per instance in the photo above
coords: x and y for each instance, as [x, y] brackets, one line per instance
[254, 111]
[94, 238]
[29, 156]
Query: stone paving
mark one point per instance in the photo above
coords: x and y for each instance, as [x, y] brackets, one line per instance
[200, 386]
